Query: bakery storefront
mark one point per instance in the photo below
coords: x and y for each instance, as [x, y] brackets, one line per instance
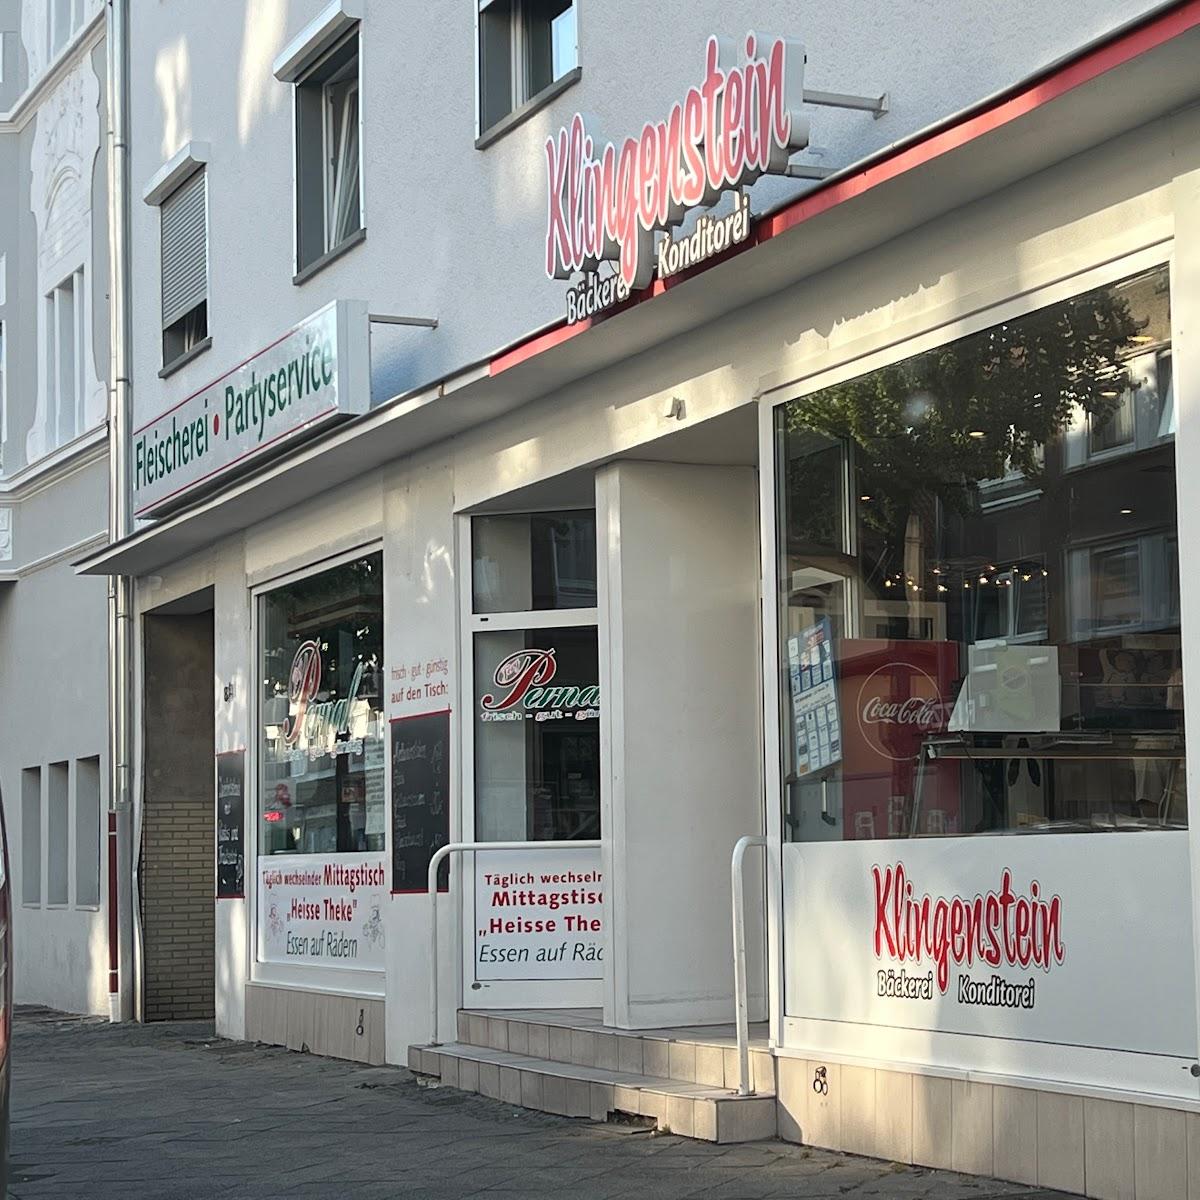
[981, 701]
[865, 536]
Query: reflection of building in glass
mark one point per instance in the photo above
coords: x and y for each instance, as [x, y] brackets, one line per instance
[991, 529]
[322, 712]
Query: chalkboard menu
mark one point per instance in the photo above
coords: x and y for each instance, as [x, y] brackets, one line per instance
[420, 799]
[231, 813]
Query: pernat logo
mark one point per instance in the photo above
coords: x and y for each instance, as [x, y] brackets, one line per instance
[315, 721]
[897, 705]
[525, 674]
[999, 929]
[607, 202]
[304, 681]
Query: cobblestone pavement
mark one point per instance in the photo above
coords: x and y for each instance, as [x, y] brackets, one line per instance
[102, 1111]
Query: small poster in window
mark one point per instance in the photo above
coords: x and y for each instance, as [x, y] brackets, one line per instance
[231, 808]
[815, 715]
[420, 799]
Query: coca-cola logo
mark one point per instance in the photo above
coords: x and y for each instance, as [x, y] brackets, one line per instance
[897, 705]
[923, 713]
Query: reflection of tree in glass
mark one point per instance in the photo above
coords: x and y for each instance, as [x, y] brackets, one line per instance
[940, 423]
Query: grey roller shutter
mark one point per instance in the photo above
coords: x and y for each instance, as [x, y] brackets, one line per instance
[184, 250]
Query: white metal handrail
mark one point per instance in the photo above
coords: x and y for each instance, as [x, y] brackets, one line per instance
[434, 866]
[741, 1002]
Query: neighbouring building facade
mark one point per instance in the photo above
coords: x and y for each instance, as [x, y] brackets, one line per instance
[54, 494]
[794, 447]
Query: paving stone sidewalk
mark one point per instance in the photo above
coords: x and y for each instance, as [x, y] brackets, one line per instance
[129, 1112]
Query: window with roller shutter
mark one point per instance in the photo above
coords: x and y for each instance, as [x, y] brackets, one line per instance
[184, 223]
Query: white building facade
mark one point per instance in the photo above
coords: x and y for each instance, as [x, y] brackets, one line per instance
[845, 518]
[53, 495]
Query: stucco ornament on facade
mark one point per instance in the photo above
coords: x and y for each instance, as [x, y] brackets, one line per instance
[66, 143]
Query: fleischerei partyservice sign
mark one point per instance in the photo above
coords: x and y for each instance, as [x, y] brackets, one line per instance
[315, 373]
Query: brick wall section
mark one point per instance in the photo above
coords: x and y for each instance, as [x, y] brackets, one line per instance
[177, 862]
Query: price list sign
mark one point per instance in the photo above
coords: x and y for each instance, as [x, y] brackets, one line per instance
[420, 798]
[815, 715]
[231, 817]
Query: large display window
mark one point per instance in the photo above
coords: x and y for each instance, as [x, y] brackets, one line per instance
[979, 661]
[979, 576]
[322, 754]
[322, 802]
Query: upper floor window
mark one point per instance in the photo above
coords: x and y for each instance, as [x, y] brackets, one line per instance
[328, 161]
[184, 228]
[63, 310]
[524, 47]
[63, 18]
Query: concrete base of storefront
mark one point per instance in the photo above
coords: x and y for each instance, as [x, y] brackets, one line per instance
[682, 1080]
[1071, 1142]
[350, 1027]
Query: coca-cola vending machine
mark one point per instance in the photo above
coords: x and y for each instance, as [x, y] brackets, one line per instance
[894, 695]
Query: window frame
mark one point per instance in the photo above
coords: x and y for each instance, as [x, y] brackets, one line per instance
[522, 105]
[306, 82]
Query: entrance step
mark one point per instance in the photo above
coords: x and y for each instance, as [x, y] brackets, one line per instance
[570, 1063]
[690, 1109]
[704, 1054]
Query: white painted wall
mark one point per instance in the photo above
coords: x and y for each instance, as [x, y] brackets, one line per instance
[681, 734]
[458, 233]
[52, 625]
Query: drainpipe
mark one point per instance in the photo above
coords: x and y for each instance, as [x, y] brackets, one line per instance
[121, 896]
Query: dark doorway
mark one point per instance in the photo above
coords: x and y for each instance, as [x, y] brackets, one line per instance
[175, 864]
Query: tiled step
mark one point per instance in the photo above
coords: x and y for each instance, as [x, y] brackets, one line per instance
[702, 1056]
[712, 1114]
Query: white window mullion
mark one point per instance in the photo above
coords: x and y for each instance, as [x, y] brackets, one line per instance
[61, 367]
[51, 369]
[80, 333]
[520, 84]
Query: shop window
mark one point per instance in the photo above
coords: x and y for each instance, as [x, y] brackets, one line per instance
[328, 181]
[537, 734]
[978, 562]
[87, 832]
[184, 229]
[528, 562]
[63, 317]
[525, 46]
[322, 742]
[31, 835]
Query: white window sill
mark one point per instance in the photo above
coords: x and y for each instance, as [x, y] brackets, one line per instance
[319, 264]
[522, 113]
[182, 360]
[62, 456]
